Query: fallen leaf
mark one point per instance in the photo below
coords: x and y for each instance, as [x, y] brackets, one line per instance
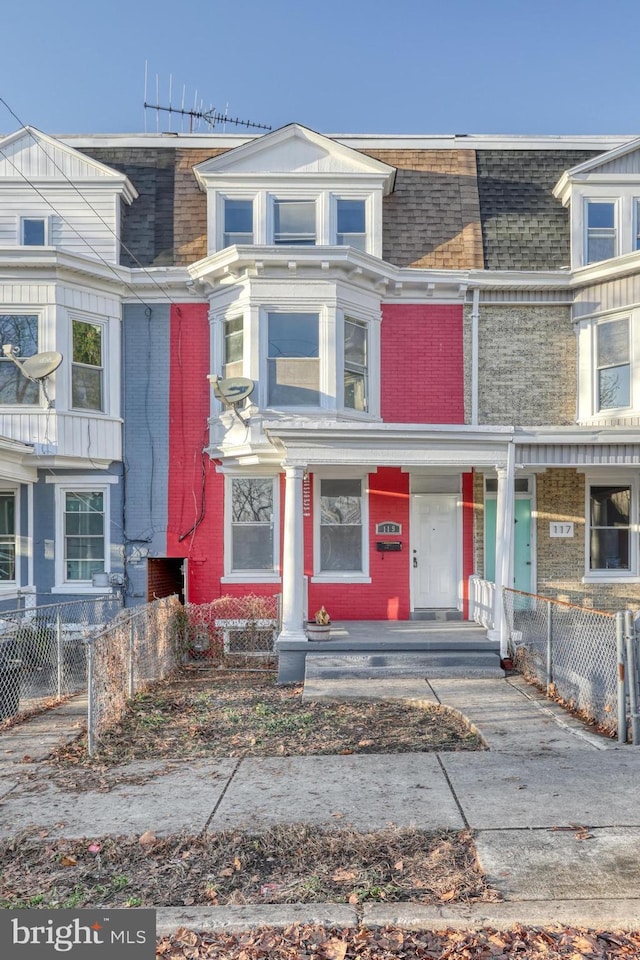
[353, 898]
[334, 949]
[366, 743]
[147, 839]
[227, 872]
[69, 861]
[399, 865]
[237, 864]
[449, 895]
[341, 875]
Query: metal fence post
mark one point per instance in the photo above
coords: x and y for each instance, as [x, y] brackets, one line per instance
[60, 652]
[90, 700]
[131, 678]
[549, 647]
[632, 676]
[622, 692]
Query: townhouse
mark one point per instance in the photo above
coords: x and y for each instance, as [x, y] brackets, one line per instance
[440, 336]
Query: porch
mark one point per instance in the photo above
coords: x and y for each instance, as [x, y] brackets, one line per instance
[393, 648]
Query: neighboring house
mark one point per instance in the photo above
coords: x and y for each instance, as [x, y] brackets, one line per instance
[443, 333]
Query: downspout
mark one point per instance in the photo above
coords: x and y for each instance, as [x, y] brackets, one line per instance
[475, 318]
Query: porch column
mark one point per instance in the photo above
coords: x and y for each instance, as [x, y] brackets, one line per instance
[293, 557]
[505, 518]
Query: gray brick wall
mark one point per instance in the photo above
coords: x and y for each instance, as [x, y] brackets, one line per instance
[523, 226]
[526, 365]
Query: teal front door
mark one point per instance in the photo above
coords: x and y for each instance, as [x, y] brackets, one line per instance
[521, 542]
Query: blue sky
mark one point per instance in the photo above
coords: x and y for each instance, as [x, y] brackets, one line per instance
[338, 66]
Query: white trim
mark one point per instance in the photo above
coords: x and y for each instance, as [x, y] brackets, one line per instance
[251, 576]
[612, 478]
[63, 485]
[16, 583]
[414, 498]
[83, 480]
[105, 351]
[47, 229]
[341, 576]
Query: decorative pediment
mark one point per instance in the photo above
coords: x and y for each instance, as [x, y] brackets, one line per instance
[293, 151]
[29, 154]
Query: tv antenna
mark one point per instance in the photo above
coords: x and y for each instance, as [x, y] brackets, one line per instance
[36, 368]
[196, 114]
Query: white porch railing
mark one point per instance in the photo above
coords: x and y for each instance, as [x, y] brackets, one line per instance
[481, 600]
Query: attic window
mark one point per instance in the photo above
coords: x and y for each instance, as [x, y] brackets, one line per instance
[294, 222]
[33, 231]
[602, 235]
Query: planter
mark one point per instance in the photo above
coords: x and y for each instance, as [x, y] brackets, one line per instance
[318, 631]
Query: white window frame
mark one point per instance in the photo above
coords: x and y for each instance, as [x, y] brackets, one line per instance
[364, 198]
[352, 411]
[615, 202]
[340, 576]
[104, 333]
[249, 198]
[83, 484]
[21, 311]
[47, 229]
[636, 223]
[611, 411]
[10, 586]
[301, 196]
[614, 575]
[588, 399]
[250, 576]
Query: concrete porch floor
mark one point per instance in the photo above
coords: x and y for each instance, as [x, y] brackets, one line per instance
[391, 648]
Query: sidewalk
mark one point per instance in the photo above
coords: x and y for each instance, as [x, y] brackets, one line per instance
[543, 778]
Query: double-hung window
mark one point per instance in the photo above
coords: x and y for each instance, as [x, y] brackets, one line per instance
[355, 365]
[351, 224]
[613, 366]
[294, 222]
[601, 233]
[238, 221]
[341, 526]
[7, 536]
[87, 367]
[84, 534]
[21, 332]
[252, 524]
[293, 360]
[233, 332]
[610, 526]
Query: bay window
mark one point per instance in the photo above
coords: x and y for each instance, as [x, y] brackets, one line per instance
[341, 525]
[351, 223]
[233, 332]
[613, 364]
[294, 222]
[87, 366]
[21, 331]
[355, 365]
[238, 221]
[601, 232]
[293, 360]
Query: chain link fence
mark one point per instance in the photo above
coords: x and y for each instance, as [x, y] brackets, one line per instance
[231, 629]
[568, 650]
[137, 649]
[43, 651]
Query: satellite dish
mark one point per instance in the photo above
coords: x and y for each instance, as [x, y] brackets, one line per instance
[37, 367]
[234, 390]
[42, 365]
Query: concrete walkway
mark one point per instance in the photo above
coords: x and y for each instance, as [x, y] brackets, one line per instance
[554, 808]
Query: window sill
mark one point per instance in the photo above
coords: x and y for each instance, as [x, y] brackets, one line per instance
[624, 576]
[71, 588]
[250, 577]
[340, 578]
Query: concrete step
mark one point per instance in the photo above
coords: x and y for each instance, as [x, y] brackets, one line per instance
[430, 665]
[439, 614]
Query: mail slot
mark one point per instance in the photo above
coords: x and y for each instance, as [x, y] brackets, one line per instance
[388, 546]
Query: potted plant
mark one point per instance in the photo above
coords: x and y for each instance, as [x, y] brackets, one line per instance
[320, 627]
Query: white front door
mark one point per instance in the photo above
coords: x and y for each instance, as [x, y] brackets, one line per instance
[434, 550]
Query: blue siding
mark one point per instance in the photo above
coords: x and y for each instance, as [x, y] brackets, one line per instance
[145, 405]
